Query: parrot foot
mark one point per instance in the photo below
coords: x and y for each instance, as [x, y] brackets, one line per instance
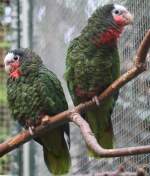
[31, 130]
[95, 99]
[30, 125]
[140, 65]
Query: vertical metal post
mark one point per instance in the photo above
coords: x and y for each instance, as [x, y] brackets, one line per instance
[30, 30]
[25, 44]
[18, 23]
[20, 173]
[30, 35]
[27, 30]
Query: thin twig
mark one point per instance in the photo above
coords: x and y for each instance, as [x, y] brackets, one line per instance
[52, 122]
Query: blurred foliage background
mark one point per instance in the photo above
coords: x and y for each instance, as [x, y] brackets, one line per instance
[9, 164]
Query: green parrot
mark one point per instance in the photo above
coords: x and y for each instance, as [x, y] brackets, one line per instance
[92, 64]
[33, 91]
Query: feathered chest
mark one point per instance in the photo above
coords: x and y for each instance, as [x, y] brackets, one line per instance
[24, 99]
[94, 70]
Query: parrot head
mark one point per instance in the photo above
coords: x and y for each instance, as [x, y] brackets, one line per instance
[112, 14]
[120, 15]
[21, 61]
[107, 23]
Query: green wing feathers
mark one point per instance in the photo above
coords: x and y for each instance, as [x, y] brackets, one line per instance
[99, 119]
[56, 152]
[55, 147]
[90, 67]
[37, 94]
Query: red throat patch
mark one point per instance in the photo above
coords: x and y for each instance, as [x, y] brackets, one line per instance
[120, 20]
[107, 37]
[15, 73]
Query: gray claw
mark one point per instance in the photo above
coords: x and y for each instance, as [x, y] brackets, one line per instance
[95, 99]
[31, 128]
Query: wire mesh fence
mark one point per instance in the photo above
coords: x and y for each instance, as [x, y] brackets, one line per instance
[58, 22]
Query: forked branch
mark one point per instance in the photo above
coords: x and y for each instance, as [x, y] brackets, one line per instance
[74, 114]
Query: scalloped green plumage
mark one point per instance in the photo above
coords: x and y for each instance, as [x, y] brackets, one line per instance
[36, 93]
[91, 68]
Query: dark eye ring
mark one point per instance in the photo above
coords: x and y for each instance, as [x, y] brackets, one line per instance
[117, 12]
[16, 58]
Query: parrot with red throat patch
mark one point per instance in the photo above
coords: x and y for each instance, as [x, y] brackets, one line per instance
[92, 64]
[33, 91]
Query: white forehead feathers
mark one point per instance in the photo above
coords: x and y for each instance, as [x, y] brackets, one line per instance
[119, 7]
[8, 57]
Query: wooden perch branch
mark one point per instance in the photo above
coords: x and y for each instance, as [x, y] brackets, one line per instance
[93, 144]
[73, 114]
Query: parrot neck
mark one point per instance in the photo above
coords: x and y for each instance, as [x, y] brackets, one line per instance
[15, 74]
[108, 37]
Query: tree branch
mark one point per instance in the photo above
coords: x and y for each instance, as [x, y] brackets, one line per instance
[93, 144]
[56, 120]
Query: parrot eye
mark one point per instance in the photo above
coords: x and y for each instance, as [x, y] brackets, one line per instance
[16, 58]
[116, 12]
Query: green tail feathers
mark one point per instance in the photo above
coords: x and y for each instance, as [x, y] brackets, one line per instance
[99, 119]
[57, 165]
[56, 152]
